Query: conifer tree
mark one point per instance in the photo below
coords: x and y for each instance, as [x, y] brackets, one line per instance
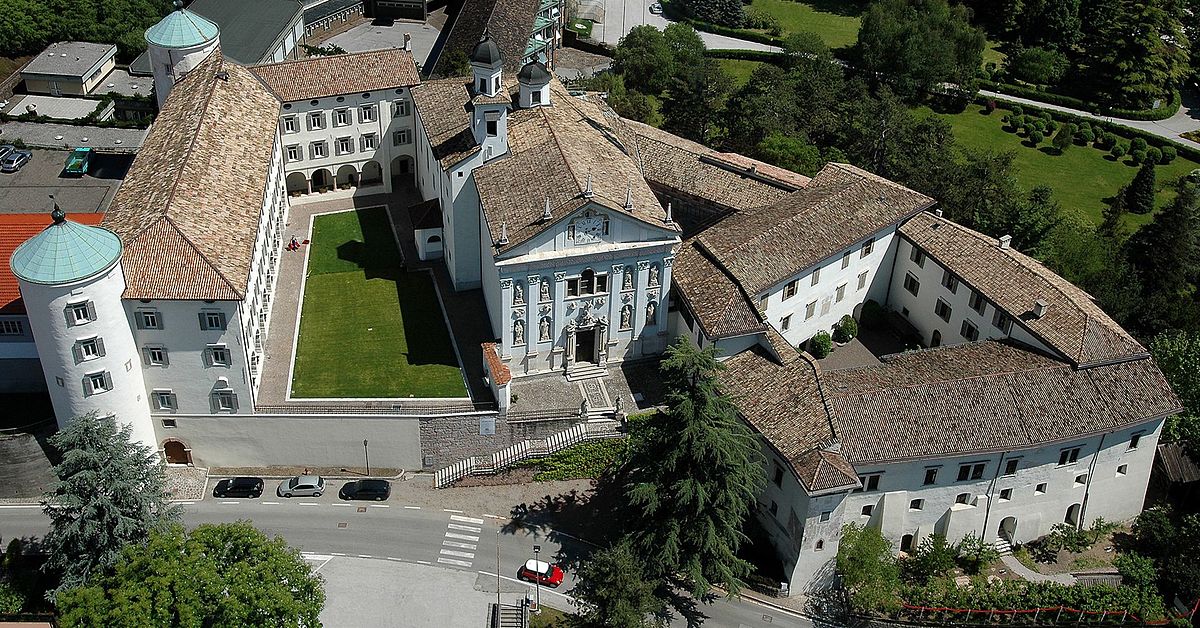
[613, 590]
[1139, 196]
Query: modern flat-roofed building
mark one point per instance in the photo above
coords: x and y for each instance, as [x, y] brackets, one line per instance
[69, 68]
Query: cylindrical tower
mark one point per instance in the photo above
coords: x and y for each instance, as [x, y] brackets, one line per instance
[178, 43]
[71, 281]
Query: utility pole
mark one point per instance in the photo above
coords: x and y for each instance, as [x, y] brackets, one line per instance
[537, 581]
[367, 456]
[497, 571]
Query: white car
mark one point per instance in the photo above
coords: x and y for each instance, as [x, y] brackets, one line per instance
[302, 486]
[656, 8]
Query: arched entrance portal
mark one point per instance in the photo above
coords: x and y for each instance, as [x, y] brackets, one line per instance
[906, 543]
[321, 180]
[176, 452]
[372, 174]
[347, 176]
[1008, 527]
[297, 183]
[402, 169]
[1072, 517]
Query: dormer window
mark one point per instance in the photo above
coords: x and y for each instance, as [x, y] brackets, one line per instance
[535, 97]
[483, 86]
[492, 128]
[497, 81]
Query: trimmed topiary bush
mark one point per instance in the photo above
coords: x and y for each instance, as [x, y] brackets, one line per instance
[1138, 156]
[1168, 154]
[1137, 144]
[846, 329]
[820, 345]
[1117, 151]
[1017, 110]
[1153, 155]
[1036, 137]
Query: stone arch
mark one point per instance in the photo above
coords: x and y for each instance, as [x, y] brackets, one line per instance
[372, 173]
[1007, 529]
[906, 543]
[176, 451]
[1072, 518]
[402, 165]
[322, 180]
[297, 183]
[347, 175]
[936, 340]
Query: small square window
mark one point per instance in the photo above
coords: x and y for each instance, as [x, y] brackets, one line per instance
[366, 113]
[1040, 489]
[916, 504]
[369, 141]
[345, 145]
[1081, 479]
[949, 281]
[810, 310]
[786, 322]
[1122, 470]
[400, 108]
[789, 290]
[969, 331]
[164, 400]
[943, 310]
[868, 509]
[825, 515]
[212, 321]
[930, 476]
[1134, 440]
[341, 117]
[778, 479]
[403, 136]
[148, 319]
[1068, 456]
[96, 383]
[917, 256]
[911, 284]
[293, 153]
[867, 247]
[963, 498]
[218, 356]
[289, 124]
[1002, 322]
[977, 302]
[156, 356]
[225, 400]
[816, 277]
[492, 128]
[1005, 494]
[169, 423]
[90, 349]
[60, 382]
[1010, 467]
[81, 313]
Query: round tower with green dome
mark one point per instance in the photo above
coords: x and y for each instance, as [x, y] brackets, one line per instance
[71, 282]
[178, 43]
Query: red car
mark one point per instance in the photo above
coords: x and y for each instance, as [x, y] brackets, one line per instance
[545, 573]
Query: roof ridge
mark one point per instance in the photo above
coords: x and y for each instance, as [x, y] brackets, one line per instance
[183, 235]
[545, 117]
[194, 135]
[349, 53]
[1046, 367]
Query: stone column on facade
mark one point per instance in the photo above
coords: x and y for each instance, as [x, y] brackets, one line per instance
[615, 281]
[602, 341]
[532, 323]
[558, 311]
[639, 306]
[505, 319]
[664, 298]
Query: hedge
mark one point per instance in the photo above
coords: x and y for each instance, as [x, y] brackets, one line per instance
[1162, 113]
[1149, 115]
[746, 55]
[717, 29]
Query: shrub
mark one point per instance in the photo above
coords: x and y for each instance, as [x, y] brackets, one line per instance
[1038, 65]
[1117, 150]
[820, 345]
[757, 18]
[845, 329]
[1045, 115]
[1035, 138]
[990, 106]
[974, 553]
[1138, 156]
[1138, 143]
[1168, 154]
[1017, 110]
[1085, 137]
[932, 558]
[1153, 155]
[1137, 571]
[586, 460]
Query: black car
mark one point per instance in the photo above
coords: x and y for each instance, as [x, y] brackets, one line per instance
[239, 487]
[378, 490]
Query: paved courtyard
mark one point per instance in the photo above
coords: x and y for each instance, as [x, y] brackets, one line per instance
[27, 190]
[368, 36]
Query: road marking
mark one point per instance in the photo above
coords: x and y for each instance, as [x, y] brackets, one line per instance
[457, 553]
[451, 561]
[449, 510]
[465, 537]
[29, 506]
[394, 558]
[455, 526]
[365, 556]
[424, 562]
[337, 553]
[270, 503]
[185, 503]
[413, 507]
[473, 520]
[469, 546]
[307, 504]
[379, 506]
[308, 556]
[346, 505]
[230, 503]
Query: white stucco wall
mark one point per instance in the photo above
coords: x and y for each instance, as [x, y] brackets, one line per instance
[171, 64]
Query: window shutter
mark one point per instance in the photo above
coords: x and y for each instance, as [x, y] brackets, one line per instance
[107, 381]
[214, 405]
[145, 355]
[91, 310]
[139, 319]
[208, 357]
[166, 358]
[174, 401]
[203, 323]
[224, 326]
[233, 401]
[87, 386]
[69, 316]
[77, 351]
[100, 347]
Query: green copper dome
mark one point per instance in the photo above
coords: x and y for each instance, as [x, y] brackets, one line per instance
[181, 29]
[65, 252]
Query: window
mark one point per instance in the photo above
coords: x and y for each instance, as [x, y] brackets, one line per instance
[911, 284]
[492, 128]
[535, 97]
[862, 279]
[943, 310]
[1134, 440]
[588, 282]
[1122, 470]
[930, 476]
[762, 302]
[1005, 494]
[345, 145]
[816, 277]
[155, 355]
[12, 328]
[977, 302]
[341, 117]
[165, 400]
[1001, 321]
[820, 545]
[825, 515]
[1068, 456]
[169, 423]
[969, 331]
[403, 136]
[289, 124]
[293, 152]
[89, 349]
[483, 86]
[316, 120]
[212, 321]
[366, 113]
[867, 247]
[789, 290]
[916, 504]
[318, 150]
[400, 108]
[1081, 479]
[867, 510]
[1040, 489]
[810, 310]
[218, 355]
[971, 471]
[963, 498]
[869, 483]
[225, 401]
[81, 313]
[96, 383]
[949, 281]
[845, 260]
[917, 256]
[369, 141]
[778, 479]
[1010, 467]
[840, 294]
[786, 322]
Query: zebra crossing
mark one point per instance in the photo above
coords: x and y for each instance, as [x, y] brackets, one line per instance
[461, 541]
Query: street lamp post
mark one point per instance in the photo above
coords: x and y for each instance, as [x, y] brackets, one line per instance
[497, 571]
[367, 456]
[537, 581]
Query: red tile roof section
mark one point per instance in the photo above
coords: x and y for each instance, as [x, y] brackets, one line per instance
[14, 230]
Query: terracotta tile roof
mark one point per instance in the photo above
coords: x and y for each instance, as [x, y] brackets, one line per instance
[14, 230]
[351, 73]
[985, 397]
[499, 371]
[695, 169]
[718, 304]
[188, 211]
[1176, 464]
[426, 214]
[508, 22]
[553, 151]
[442, 107]
[823, 470]
[840, 206]
[1073, 324]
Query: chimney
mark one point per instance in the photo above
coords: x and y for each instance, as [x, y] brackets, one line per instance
[223, 75]
[937, 212]
[1039, 308]
[587, 191]
[546, 215]
[1005, 242]
[408, 41]
[503, 234]
[628, 198]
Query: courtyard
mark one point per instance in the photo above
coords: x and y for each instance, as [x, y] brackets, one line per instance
[369, 328]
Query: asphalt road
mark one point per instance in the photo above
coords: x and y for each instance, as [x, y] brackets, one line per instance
[431, 538]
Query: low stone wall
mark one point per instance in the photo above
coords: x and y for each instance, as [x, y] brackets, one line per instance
[446, 440]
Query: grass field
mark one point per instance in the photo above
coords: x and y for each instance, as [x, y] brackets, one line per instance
[827, 18]
[739, 69]
[1082, 177]
[367, 328]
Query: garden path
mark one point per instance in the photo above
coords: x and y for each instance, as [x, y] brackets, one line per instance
[1017, 568]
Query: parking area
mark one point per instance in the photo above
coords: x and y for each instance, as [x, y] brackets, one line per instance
[27, 190]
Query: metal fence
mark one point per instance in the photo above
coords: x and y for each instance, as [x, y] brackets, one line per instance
[524, 450]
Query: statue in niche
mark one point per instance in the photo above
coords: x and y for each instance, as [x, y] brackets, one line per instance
[518, 294]
[627, 282]
[651, 313]
[519, 333]
[654, 275]
[545, 291]
[544, 333]
[627, 317]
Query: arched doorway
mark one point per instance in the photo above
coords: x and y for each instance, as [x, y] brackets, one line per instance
[297, 183]
[1072, 518]
[906, 543]
[347, 176]
[321, 180]
[936, 341]
[1008, 528]
[402, 168]
[372, 174]
[176, 452]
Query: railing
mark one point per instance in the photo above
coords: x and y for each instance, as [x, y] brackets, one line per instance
[524, 450]
[1052, 615]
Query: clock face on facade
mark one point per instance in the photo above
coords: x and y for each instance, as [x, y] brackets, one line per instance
[589, 229]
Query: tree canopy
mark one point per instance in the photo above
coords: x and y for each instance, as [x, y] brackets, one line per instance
[613, 590]
[227, 574]
[28, 26]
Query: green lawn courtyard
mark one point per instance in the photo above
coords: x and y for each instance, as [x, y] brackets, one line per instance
[368, 328]
[1082, 177]
[739, 69]
[836, 22]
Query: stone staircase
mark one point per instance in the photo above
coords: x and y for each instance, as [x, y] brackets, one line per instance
[589, 371]
[1004, 547]
[506, 616]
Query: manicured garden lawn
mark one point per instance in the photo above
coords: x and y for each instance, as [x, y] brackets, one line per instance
[582, 27]
[837, 27]
[739, 69]
[1082, 177]
[367, 328]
